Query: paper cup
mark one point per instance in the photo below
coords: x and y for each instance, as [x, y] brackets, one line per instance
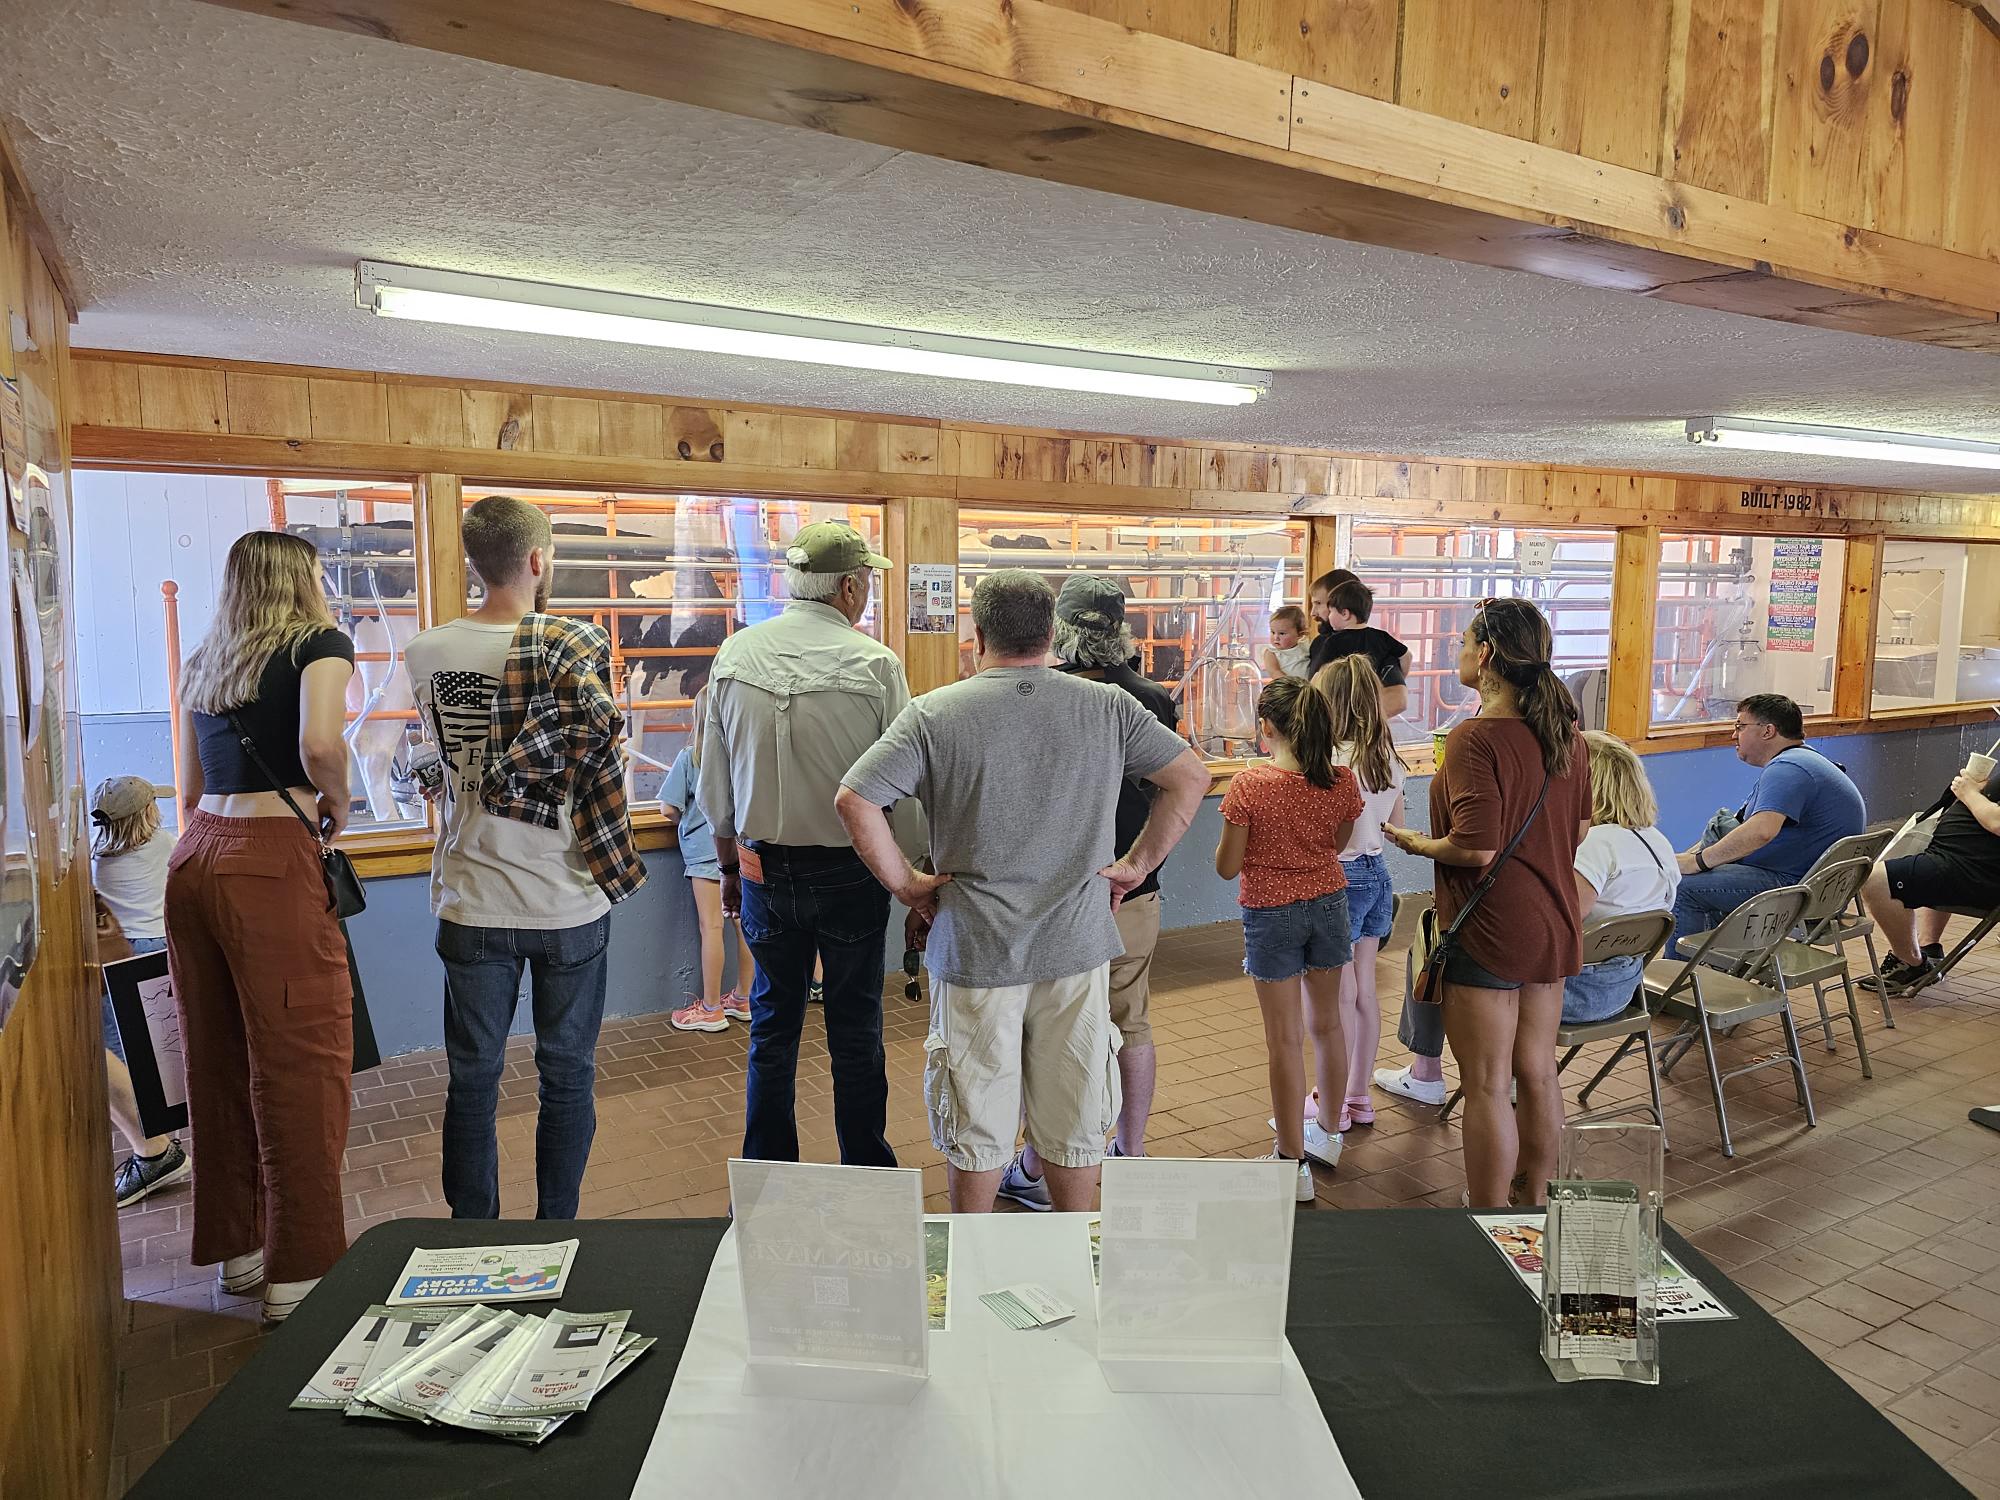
[1978, 766]
[1438, 737]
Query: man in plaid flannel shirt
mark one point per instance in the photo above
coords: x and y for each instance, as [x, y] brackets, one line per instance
[533, 847]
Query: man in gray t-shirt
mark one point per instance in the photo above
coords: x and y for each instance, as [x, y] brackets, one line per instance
[1019, 770]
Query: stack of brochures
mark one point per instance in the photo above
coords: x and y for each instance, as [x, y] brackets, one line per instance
[483, 1366]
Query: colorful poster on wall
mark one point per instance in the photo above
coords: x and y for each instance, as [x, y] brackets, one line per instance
[933, 598]
[1793, 618]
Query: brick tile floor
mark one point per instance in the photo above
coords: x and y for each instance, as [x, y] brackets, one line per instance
[1875, 1238]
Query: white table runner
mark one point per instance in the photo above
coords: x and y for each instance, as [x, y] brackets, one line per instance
[1005, 1413]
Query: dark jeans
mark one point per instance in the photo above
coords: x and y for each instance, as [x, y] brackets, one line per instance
[816, 902]
[482, 967]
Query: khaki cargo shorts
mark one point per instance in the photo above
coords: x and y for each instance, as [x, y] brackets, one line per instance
[1131, 976]
[1050, 1045]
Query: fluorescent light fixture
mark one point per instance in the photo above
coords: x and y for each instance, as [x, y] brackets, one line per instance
[1842, 442]
[620, 318]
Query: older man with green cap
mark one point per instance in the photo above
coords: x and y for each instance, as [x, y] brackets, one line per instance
[792, 704]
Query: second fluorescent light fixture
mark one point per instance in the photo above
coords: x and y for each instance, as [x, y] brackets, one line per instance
[617, 317]
[1842, 442]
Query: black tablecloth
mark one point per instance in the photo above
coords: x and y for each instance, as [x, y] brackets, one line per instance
[1417, 1337]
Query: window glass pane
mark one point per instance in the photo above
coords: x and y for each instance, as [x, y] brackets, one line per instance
[1430, 579]
[1740, 615]
[1200, 589]
[137, 531]
[1937, 635]
[668, 578]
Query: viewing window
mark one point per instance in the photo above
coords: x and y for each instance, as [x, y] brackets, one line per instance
[1429, 580]
[1739, 615]
[669, 578]
[136, 531]
[1937, 631]
[1200, 590]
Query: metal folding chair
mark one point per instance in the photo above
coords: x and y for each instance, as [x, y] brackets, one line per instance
[1984, 922]
[1817, 956]
[1732, 979]
[1640, 936]
[1855, 922]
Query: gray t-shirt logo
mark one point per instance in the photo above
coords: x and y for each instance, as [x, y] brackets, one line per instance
[1025, 689]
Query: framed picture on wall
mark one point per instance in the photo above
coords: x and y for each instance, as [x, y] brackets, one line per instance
[142, 1000]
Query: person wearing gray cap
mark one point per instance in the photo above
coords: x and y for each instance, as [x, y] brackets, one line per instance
[1093, 641]
[792, 702]
[1019, 769]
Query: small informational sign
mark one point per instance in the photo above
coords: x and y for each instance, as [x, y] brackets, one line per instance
[485, 1273]
[1794, 603]
[1535, 556]
[934, 598]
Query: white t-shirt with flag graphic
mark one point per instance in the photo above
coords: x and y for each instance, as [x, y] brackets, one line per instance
[488, 871]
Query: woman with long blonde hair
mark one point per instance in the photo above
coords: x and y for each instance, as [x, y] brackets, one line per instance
[258, 961]
[1623, 866]
[1361, 743]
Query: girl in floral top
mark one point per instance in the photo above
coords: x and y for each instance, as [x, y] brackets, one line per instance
[1284, 825]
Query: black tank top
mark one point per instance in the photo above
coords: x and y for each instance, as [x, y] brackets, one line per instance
[271, 719]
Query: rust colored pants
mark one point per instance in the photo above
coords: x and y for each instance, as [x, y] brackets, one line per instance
[260, 977]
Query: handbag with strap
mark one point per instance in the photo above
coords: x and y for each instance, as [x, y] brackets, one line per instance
[1428, 987]
[344, 895]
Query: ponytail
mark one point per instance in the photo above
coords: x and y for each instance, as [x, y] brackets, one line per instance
[1299, 711]
[1522, 643]
[1354, 695]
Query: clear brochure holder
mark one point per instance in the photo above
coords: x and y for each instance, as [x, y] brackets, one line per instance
[1601, 1269]
[1195, 1274]
[831, 1264]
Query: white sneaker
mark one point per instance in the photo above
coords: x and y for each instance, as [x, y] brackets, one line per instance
[241, 1274]
[1322, 1145]
[1304, 1192]
[282, 1297]
[1029, 1192]
[1398, 1081]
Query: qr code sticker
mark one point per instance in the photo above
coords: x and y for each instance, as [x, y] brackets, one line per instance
[829, 1291]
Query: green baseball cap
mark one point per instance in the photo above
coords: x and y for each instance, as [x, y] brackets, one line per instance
[832, 547]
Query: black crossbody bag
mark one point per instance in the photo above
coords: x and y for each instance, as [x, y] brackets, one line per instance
[1429, 987]
[344, 896]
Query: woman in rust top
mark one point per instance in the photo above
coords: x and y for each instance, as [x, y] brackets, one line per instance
[1503, 985]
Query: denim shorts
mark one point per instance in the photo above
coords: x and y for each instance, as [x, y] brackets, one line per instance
[1459, 968]
[1371, 896]
[1283, 942]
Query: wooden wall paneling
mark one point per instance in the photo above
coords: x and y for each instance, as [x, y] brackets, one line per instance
[1923, 50]
[182, 399]
[909, 449]
[503, 421]
[1635, 592]
[1601, 90]
[1854, 650]
[919, 529]
[567, 424]
[1329, 539]
[349, 411]
[694, 434]
[1474, 61]
[107, 393]
[1721, 85]
[426, 416]
[1823, 150]
[441, 582]
[1348, 44]
[1199, 23]
[1972, 217]
[268, 405]
[808, 442]
[630, 429]
[60, 1301]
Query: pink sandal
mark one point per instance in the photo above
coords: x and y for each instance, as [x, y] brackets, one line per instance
[1357, 1111]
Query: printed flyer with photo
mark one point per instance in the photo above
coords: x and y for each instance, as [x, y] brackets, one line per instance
[497, 1274]
[1518, 1237]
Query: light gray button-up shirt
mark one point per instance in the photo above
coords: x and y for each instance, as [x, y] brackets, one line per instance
[792, 703]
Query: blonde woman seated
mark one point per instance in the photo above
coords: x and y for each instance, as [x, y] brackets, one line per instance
[1623, 866]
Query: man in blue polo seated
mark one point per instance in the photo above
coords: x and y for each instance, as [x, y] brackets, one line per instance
[1802, 803]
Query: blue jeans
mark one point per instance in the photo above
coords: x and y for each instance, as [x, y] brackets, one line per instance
[1283, 942]
[482, 968]
[1704, 900]
[1601, 991]
[816, 902]
[1371, 896]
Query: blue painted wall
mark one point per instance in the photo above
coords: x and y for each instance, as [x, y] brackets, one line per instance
[655, 948]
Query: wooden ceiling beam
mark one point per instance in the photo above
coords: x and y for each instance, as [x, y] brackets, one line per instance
[1030, 88]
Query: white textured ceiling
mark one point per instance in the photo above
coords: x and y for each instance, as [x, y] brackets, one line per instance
[214, 177]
